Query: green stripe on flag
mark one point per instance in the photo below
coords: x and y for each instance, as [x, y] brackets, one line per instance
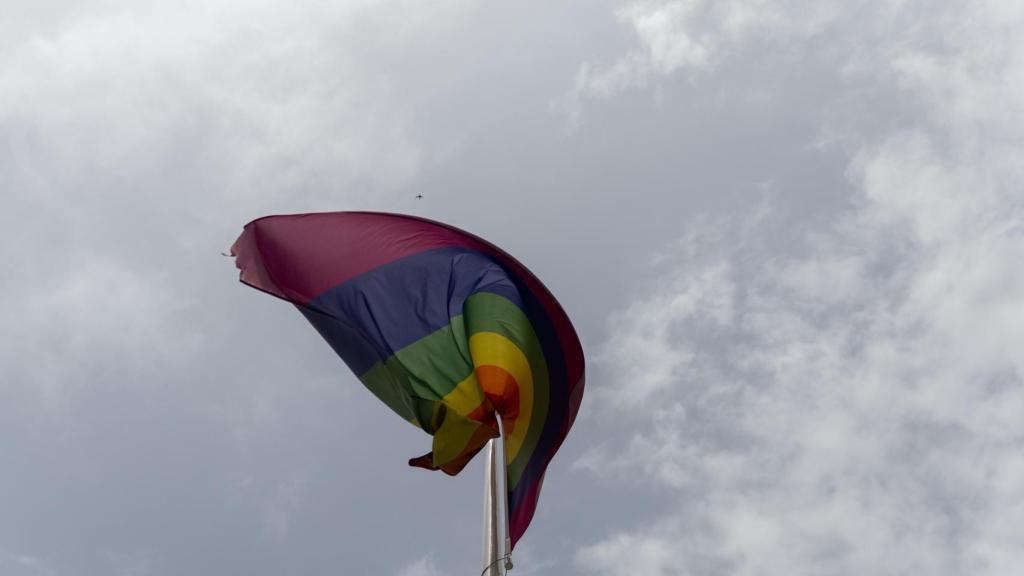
[427, 369]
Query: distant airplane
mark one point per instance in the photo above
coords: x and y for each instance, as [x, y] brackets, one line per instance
[418, 196]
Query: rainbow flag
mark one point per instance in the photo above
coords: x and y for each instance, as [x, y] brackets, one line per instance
[445, 328]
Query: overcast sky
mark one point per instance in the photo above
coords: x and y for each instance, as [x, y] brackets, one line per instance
[790, 235]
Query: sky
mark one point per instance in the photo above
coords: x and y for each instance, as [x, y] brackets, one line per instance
[789, 234]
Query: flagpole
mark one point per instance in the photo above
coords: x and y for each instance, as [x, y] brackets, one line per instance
[495, 510]
[492, 513]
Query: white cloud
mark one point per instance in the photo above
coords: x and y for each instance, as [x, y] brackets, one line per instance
[859, 409]
[247, 86]
[691, 35]
[75, 314]
[135, 134]
[20, 564]
[422, 567]
[643, 359]
[279, 508]
[630, 554]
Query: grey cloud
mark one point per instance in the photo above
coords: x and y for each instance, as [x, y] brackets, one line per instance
[791, 209]
[844, 422]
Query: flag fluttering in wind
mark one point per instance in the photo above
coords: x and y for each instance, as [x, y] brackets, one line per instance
[445, 328]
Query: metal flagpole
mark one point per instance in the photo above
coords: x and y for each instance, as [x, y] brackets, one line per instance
[492, 513]
[495, 512]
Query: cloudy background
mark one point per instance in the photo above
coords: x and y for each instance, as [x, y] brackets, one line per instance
[790, 235]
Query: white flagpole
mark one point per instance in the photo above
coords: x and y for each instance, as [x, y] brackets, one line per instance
[492, 512]
[495, 509]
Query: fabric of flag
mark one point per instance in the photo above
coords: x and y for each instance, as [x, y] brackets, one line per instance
[446, 329]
